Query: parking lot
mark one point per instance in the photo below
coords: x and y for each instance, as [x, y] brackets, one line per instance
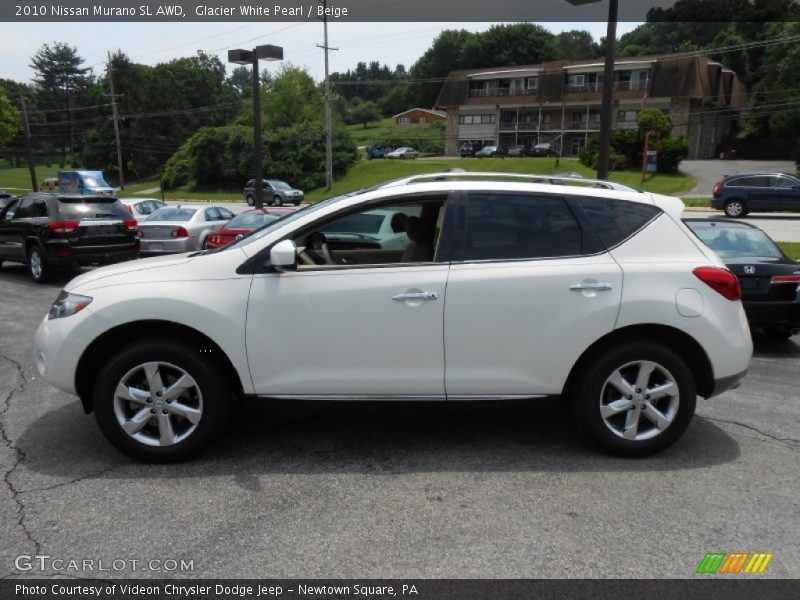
[388, 490]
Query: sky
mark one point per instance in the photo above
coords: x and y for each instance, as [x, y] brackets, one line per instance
[151, 43]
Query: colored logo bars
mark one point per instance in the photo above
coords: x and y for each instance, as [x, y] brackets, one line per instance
[734, 563]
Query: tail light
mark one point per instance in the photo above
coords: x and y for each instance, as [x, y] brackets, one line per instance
[64, 252]
[180, 232]
[130, 224]
[64, 226]
[785, 279]
[718, 186]
[721, 281]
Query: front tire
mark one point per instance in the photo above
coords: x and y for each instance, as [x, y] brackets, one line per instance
[251, 200]
[159, 401]
[277, 201]
[735, 208]
[637, 399]
[37, 265]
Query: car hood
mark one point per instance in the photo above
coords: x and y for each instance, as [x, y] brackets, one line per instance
[145, 265]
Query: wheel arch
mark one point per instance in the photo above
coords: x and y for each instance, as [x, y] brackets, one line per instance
[105, 345]
[680, 342]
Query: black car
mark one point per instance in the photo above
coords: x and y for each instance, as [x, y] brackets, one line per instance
[467, 149]
[770, 281]
[517, 151]
[742, 193]
[49, 232]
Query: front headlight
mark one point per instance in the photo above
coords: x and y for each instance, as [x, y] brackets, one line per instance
[67, 305]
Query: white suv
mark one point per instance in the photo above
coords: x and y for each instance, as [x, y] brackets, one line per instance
[507, 288]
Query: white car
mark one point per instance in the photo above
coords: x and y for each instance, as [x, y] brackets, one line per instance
[141, 208]
[404, 152]
[505, 289]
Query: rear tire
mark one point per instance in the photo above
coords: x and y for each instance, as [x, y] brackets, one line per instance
[37, 265]
[250, 200]
[628, 422]
[735, 208]
[144, 414]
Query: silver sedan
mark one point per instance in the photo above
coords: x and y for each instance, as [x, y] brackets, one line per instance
[175, 229]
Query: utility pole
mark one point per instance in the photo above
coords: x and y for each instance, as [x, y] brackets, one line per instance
[115, 117]
[29, 149]
[328, 117]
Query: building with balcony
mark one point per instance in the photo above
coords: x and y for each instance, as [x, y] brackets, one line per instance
[559, 102]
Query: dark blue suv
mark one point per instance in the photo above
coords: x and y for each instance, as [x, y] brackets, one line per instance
[742, 193]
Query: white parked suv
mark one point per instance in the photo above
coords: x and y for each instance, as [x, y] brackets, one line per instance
[504, 289]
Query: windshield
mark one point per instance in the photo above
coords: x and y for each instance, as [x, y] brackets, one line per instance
[93, 182]
[280, 185]
[730, 242]
[172, 214]
[251, 220]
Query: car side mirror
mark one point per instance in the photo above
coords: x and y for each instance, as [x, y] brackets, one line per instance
[283, 256]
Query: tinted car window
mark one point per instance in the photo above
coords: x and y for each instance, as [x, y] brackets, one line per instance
[78, 208]
[616, 220]
[756, 181]
[212, 214]
[25, 209]
[224, 213]
[10, 209]
[783, 182]
[38, 208]
[505, 227]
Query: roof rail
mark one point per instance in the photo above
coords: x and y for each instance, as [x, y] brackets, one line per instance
[553, 179]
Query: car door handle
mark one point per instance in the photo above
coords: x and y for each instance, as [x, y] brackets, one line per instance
[405, 296]
[597, 287]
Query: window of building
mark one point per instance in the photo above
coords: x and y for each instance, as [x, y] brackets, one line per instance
[533, 83]
[403, 120]
[487, 119]
[422, 119]
[627, 116]
[577, 80]
[519, 226]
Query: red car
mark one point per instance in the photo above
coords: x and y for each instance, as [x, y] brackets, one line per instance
[244, 223]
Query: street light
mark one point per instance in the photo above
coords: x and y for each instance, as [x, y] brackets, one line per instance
[244, 57]
[608, 85]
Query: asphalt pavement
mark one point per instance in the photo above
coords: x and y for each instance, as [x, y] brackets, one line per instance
[475, 490]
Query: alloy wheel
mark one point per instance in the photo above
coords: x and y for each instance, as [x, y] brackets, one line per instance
[639, 400]
[158, 404]
[734, 208]
[36, 264]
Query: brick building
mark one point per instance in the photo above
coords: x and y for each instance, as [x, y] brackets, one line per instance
[559, 102]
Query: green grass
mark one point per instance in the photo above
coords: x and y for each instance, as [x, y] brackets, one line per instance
[697, 202]
[791, 249]
[371, 172]
[18, 180]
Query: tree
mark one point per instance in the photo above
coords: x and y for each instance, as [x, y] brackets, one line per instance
[365, 112]
[573, 45]
[654, 119]
[241, 78]
[62, 86]
[9, 119]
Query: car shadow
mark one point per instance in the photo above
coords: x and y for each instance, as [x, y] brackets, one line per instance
[304, 437]
[766, 347]
[18, 273]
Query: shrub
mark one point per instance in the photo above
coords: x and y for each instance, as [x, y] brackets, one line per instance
[670, 153]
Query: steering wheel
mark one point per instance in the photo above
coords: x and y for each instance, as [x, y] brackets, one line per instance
[318, 250]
